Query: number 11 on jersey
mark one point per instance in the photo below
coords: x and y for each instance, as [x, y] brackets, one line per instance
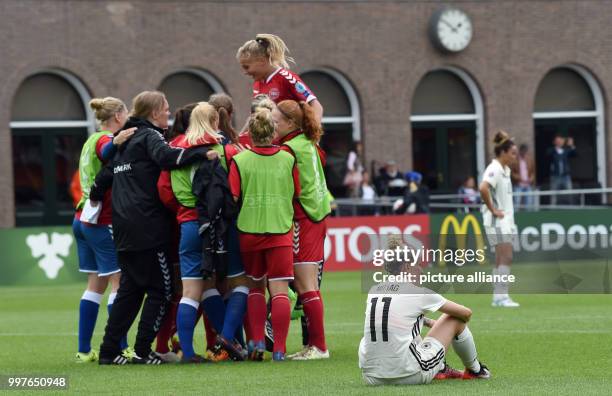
[385, 318]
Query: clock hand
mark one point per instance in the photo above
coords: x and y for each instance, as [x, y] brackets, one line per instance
[448, 24]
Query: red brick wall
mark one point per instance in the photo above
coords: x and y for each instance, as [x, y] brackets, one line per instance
[122, 47]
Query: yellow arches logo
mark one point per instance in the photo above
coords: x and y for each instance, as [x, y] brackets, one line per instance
[460, 230]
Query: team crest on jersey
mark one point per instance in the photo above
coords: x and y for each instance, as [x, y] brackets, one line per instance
[274, 93]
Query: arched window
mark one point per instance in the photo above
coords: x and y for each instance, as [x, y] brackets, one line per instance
[187, 86]
[447, 129]
[341, 122]
[49, 124]
[569, 103]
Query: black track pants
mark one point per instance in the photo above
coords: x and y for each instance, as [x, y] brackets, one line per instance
[143, 273]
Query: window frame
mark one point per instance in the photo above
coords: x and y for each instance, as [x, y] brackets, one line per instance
[477, 116]
[51, 213]
[355, 118]
[598, 114]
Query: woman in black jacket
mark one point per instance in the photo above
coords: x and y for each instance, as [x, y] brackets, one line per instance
[140, 227]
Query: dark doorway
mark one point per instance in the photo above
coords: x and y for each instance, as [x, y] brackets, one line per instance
[444, 153]
[44, 161]
[584, 165]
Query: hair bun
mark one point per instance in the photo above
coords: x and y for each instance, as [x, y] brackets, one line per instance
[500, 138]
[262, 113]
[96, 103]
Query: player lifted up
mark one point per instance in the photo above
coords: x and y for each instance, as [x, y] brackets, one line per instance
[391, 351]
[265, 59]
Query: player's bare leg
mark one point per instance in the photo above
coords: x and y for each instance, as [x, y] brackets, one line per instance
[452, 331]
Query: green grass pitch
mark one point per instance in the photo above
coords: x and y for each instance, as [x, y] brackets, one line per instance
[552, 344]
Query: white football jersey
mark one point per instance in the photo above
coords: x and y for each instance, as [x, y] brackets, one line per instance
[393, 318]
[498, 178]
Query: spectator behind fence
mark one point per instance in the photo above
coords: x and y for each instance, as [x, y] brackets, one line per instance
[367, 195]
[560, 173]
[390, 181]
[416, 196]
[468, 190]
[354, 171]
[523, 178]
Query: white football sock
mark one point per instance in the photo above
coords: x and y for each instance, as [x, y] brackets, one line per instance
[464, 346]
[503, 269]
[500, 289]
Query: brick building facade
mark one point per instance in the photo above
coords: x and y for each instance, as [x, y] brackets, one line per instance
[381, 50]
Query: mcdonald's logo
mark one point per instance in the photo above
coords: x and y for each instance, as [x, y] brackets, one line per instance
[461, 232]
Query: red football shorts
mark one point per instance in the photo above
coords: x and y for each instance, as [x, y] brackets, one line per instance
[308, 241]
[276, 263]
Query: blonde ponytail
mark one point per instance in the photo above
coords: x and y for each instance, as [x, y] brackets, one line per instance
[201, 123]
[267, 46]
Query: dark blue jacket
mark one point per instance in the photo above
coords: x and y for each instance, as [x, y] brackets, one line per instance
[559, 162]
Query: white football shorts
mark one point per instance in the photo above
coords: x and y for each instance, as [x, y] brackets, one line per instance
[428, 355]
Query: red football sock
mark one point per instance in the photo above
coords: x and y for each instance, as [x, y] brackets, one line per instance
[256, 308]
[167, 329]
[322, 304]
[281, 317]
[245, 324]
[313, 309]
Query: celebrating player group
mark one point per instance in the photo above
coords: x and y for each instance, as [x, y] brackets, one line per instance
[198, 220]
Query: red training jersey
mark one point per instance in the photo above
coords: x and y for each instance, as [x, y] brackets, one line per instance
[245, 139]
[283, 84]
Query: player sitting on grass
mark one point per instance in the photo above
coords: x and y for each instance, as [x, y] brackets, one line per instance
[391, 351]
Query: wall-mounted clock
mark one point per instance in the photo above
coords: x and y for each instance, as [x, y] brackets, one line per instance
[450, 29]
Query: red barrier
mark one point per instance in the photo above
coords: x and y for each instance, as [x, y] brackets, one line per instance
[351, 240]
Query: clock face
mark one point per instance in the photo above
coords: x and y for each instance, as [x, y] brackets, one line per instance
[452, 29]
